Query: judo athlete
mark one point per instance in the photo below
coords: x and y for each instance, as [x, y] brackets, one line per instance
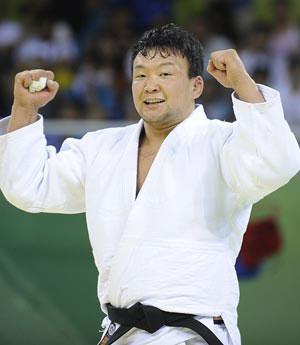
[167, 199]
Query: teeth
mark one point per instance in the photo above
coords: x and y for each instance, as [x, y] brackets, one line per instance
[152, 101]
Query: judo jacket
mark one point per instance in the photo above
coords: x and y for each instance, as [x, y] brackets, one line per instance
[173, 246]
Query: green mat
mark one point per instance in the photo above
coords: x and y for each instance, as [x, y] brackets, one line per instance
[48, 279]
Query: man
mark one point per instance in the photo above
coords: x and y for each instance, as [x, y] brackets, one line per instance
[167, 200]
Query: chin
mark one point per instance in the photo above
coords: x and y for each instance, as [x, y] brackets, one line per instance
[154, 117]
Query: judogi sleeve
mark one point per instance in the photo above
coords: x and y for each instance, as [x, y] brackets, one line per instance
[34, 177]
[260, 153]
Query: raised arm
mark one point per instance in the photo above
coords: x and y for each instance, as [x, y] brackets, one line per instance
[259, 153]
[33, 176]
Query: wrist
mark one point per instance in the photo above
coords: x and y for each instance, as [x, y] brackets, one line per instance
[25, 112]
[21, 116]
[247, 91]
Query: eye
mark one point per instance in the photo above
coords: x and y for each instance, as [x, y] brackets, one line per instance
[165, 74]
[140, 76]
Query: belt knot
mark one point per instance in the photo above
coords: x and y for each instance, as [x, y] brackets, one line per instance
[141, 316]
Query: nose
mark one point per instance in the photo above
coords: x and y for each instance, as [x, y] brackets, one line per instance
[151, 85]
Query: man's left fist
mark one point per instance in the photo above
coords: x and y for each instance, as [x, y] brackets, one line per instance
[228, 69]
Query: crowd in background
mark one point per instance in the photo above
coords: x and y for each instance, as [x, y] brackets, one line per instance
[87, 45]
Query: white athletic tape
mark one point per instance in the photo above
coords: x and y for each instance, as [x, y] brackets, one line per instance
[39, 85]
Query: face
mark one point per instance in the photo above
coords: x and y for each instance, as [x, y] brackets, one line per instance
[163, 94]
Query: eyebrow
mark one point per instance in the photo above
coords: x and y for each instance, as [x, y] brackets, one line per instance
[160, 65]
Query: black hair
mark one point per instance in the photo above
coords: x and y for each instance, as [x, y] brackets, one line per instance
[171, 39]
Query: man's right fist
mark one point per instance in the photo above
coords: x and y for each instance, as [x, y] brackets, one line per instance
[25, 99]
[26, 104]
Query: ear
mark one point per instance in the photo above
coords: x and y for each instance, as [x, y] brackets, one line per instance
[198, 85]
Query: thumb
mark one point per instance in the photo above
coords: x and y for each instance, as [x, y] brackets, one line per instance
[215, 72]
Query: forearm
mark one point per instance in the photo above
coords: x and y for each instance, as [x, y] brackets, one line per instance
[34, 177]
[248, 91]
[260, 154]
[21, 117]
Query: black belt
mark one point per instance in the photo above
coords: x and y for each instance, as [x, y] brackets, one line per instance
[152, 319]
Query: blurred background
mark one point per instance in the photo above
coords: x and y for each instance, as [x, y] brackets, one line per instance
[47, 274]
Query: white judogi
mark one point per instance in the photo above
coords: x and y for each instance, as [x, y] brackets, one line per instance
[175, 246]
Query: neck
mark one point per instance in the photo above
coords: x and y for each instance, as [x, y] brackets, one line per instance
[153, 135]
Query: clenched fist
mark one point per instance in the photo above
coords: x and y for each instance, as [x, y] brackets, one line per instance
[228, 69]
[27, 104]
[24, 98]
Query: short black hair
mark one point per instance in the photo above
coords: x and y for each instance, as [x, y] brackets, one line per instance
[171, 39]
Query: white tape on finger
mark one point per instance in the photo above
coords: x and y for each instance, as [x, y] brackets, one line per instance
[39, 85]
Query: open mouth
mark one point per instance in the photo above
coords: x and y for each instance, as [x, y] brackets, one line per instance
[154, 101]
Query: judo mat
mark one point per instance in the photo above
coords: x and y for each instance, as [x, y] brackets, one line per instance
[48, 279]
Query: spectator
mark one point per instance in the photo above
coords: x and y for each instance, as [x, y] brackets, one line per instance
[254, 50]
